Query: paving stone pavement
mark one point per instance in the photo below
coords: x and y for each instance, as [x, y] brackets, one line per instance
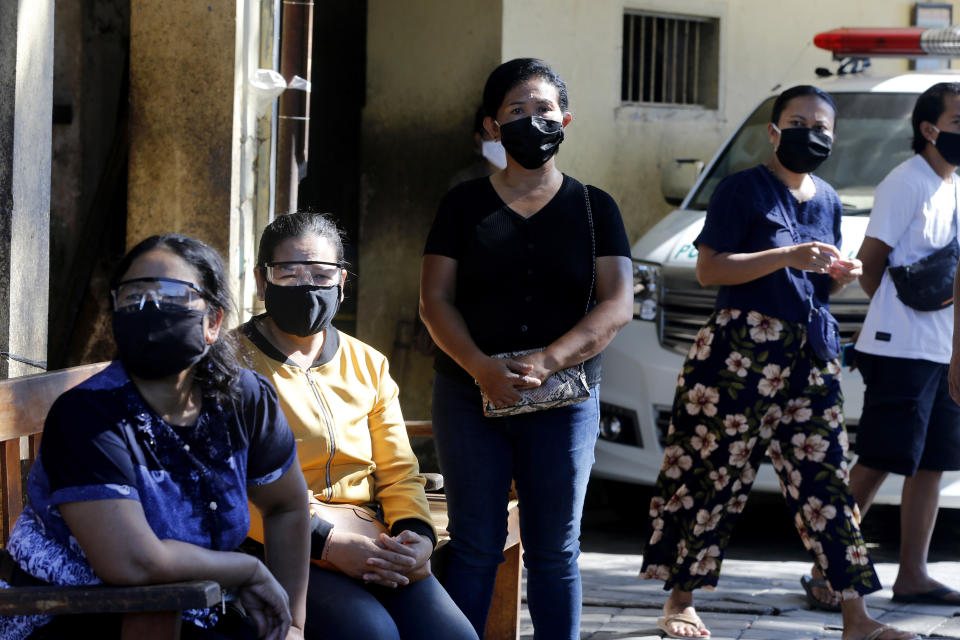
[755, 600]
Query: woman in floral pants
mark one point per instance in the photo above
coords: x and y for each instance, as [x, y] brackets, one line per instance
[752, 386]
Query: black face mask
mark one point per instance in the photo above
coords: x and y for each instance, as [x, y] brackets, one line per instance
[948, 144]
[802, 149]
[303, 310]
[155, 343]
[531, 141]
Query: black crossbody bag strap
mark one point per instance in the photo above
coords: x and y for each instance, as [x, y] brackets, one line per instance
[927, 284]
[593, 249]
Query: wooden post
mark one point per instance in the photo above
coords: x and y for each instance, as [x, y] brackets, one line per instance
[26, 130]
[11, 485]
[151, 624]
[503, 623]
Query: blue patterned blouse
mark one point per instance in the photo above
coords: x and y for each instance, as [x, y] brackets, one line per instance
[102, 441]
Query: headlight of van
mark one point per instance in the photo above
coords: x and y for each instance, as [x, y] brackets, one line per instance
[646, 290]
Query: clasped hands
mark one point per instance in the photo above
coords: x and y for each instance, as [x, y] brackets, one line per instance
[502, 379]
[390, 561]
[821, 257]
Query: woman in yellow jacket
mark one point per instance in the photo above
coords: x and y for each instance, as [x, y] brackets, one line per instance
[371, 581]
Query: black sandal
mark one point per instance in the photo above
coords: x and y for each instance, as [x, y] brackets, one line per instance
[810, 583]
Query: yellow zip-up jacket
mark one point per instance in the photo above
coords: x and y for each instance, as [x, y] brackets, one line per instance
[351, 440]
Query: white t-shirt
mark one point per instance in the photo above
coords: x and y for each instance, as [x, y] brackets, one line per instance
[915, 213]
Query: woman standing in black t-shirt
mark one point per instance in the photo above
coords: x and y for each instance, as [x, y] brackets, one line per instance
[507, 267]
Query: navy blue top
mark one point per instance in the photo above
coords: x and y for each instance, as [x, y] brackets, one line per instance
[522, 282]
[746, 215]
[102, 441]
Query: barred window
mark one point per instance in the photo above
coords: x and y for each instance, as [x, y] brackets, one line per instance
[669, 60]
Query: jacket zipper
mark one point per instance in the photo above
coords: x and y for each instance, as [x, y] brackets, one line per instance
[328, 420]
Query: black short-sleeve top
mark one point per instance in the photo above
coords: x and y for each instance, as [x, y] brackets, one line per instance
[522, 282]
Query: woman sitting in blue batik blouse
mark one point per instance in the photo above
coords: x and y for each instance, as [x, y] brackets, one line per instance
[145, 469]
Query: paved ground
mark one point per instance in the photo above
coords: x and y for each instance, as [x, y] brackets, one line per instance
[755, 600]
[759, 596]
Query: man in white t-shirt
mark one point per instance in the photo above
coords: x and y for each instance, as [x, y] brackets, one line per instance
[910, 425]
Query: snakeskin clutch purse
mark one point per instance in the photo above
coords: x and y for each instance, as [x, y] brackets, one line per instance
[565, 387]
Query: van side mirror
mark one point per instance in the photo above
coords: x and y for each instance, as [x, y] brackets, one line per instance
[678, 177]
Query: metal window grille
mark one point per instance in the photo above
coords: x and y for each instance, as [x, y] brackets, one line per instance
[669, 60]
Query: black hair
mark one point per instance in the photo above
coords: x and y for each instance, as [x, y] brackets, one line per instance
[517, 71]
[929, 107]
[294, 225]
[796, 92]
[478, 121]
[217, 371]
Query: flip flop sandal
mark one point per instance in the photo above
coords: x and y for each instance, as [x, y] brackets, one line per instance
[809, 584]
[879, 631]
[663, 623]
[934, 596]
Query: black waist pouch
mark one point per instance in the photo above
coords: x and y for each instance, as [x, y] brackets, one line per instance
[927, 284]
[823, 332]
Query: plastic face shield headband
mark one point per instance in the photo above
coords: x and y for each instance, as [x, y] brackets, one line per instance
[164, 293]
[314, 272]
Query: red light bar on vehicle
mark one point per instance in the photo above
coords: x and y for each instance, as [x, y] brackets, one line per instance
[910, 42]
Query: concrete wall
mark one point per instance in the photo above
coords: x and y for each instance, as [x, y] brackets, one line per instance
[181, 119]
[426, 64]
[623, 148]
[26, 104]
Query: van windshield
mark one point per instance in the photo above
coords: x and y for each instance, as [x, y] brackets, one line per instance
[873, 135]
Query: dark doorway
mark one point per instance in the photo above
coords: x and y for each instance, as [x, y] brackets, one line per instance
[88, 178]
[338, 73]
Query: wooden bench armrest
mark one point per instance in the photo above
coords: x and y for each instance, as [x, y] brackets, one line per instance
[24, 402]
[420, 428]
[55, 600]
[424, 429]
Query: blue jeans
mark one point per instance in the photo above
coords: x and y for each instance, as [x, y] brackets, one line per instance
[341, 608]
[549, 455]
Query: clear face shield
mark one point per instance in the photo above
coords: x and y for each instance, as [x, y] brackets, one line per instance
[163, 293]
[316, 273]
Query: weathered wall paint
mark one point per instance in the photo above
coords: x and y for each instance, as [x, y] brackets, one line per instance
[623, 148]
[181, 119]
[426, 64]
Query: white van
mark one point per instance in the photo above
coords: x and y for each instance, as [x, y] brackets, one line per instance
[641, 365]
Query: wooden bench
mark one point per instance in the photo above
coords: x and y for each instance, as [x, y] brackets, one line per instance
[503, 623]
[149, 612]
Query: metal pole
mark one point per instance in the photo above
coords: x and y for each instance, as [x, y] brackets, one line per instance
[294, 112]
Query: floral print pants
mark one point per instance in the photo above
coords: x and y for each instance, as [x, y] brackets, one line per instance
[751, 387]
